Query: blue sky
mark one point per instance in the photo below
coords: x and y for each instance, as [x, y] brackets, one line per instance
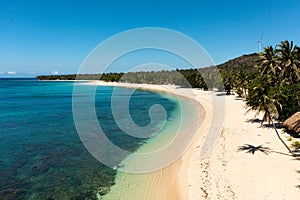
[42, 37]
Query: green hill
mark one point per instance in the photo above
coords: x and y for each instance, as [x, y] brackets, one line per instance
[244, 63]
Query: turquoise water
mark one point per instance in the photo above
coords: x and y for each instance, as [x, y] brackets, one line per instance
[41, 155]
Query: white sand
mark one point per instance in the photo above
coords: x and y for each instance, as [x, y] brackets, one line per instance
[226, 173]
[162, 184]
[229, 174]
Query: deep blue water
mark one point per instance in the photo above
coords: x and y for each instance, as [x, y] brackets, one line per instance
[41, 155]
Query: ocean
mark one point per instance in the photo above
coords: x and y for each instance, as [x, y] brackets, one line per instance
[41, 154]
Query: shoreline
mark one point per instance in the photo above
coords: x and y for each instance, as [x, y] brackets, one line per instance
[226, 172]
[170, 182]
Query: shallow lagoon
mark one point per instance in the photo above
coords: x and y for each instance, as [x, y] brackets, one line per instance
[42, 156]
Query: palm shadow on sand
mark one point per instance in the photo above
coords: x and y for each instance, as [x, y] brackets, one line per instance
[298, 186]
[248, 148]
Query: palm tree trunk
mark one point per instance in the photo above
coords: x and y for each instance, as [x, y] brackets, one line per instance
[286, 146]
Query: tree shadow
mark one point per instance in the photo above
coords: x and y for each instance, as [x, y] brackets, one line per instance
[298, 186]
[248, 148]
[297, 158]
[292, 133]
[239, 98]
[266, 150]
[224, 94]
[285, 154]
[256, 120]
[278, 125]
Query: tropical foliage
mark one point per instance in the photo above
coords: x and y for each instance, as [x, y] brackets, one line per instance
[275, 90]
[269, 81]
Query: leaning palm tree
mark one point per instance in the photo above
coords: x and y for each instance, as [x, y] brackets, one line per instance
[288, 57]
[263, 98]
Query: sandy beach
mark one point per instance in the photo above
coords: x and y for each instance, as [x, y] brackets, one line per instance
[226, 172]
[168, 183]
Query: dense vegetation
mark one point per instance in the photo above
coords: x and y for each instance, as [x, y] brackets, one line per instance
[196, 78]
[268, 81]
[104, 77]
[275, 90]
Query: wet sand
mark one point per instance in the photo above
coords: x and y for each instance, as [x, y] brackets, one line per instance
[226, 172]
[169, 182]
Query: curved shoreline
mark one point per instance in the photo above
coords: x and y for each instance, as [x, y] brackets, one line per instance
[225, 173]
[170, 182]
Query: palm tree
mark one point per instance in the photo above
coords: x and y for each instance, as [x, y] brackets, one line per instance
[228, 82]
[288, 57]
[268, 61]
[263, 98]
[241, 83]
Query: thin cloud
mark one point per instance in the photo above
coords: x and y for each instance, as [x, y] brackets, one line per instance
[11, 73]
[55, 72]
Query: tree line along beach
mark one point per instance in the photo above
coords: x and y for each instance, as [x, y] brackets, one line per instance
[266, 89]
[42, 156]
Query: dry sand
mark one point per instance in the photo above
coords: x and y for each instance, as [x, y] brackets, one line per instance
[225, 173]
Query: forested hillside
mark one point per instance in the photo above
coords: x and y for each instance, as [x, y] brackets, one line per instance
[187, 77]
[243, 63]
